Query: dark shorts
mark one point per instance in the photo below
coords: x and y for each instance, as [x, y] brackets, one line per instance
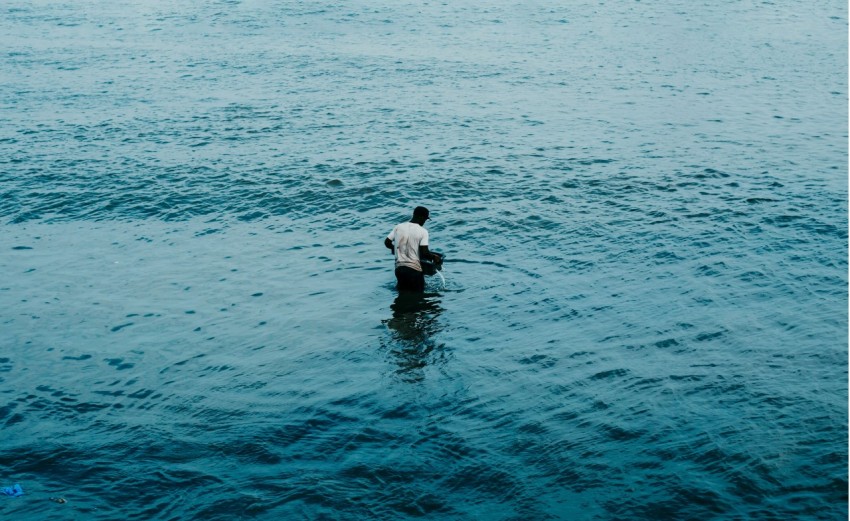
[409, 279]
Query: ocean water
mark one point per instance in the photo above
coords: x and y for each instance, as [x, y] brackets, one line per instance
[643, 205]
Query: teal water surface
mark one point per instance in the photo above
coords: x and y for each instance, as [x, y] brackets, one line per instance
[643, 206]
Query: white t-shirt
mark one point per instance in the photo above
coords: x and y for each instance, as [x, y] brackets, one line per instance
[408, 237]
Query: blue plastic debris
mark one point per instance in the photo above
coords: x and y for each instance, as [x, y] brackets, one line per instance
[14, 491]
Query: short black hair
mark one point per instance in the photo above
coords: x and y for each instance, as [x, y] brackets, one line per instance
[421, 211]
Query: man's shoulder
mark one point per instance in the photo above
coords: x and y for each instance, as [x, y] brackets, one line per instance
[411, 229]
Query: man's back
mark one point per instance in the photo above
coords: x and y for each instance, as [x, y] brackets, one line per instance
[408, 237]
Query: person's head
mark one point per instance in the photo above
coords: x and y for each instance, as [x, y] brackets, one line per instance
[420, 215]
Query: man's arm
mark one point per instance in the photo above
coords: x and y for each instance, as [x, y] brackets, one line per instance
[425, 253]
[389, 244]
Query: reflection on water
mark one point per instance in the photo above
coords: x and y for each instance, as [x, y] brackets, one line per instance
[414, 323]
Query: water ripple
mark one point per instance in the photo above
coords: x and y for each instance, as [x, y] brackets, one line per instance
[644, 215]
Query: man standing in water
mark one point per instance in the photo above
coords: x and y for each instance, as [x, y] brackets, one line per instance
[409, 242]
